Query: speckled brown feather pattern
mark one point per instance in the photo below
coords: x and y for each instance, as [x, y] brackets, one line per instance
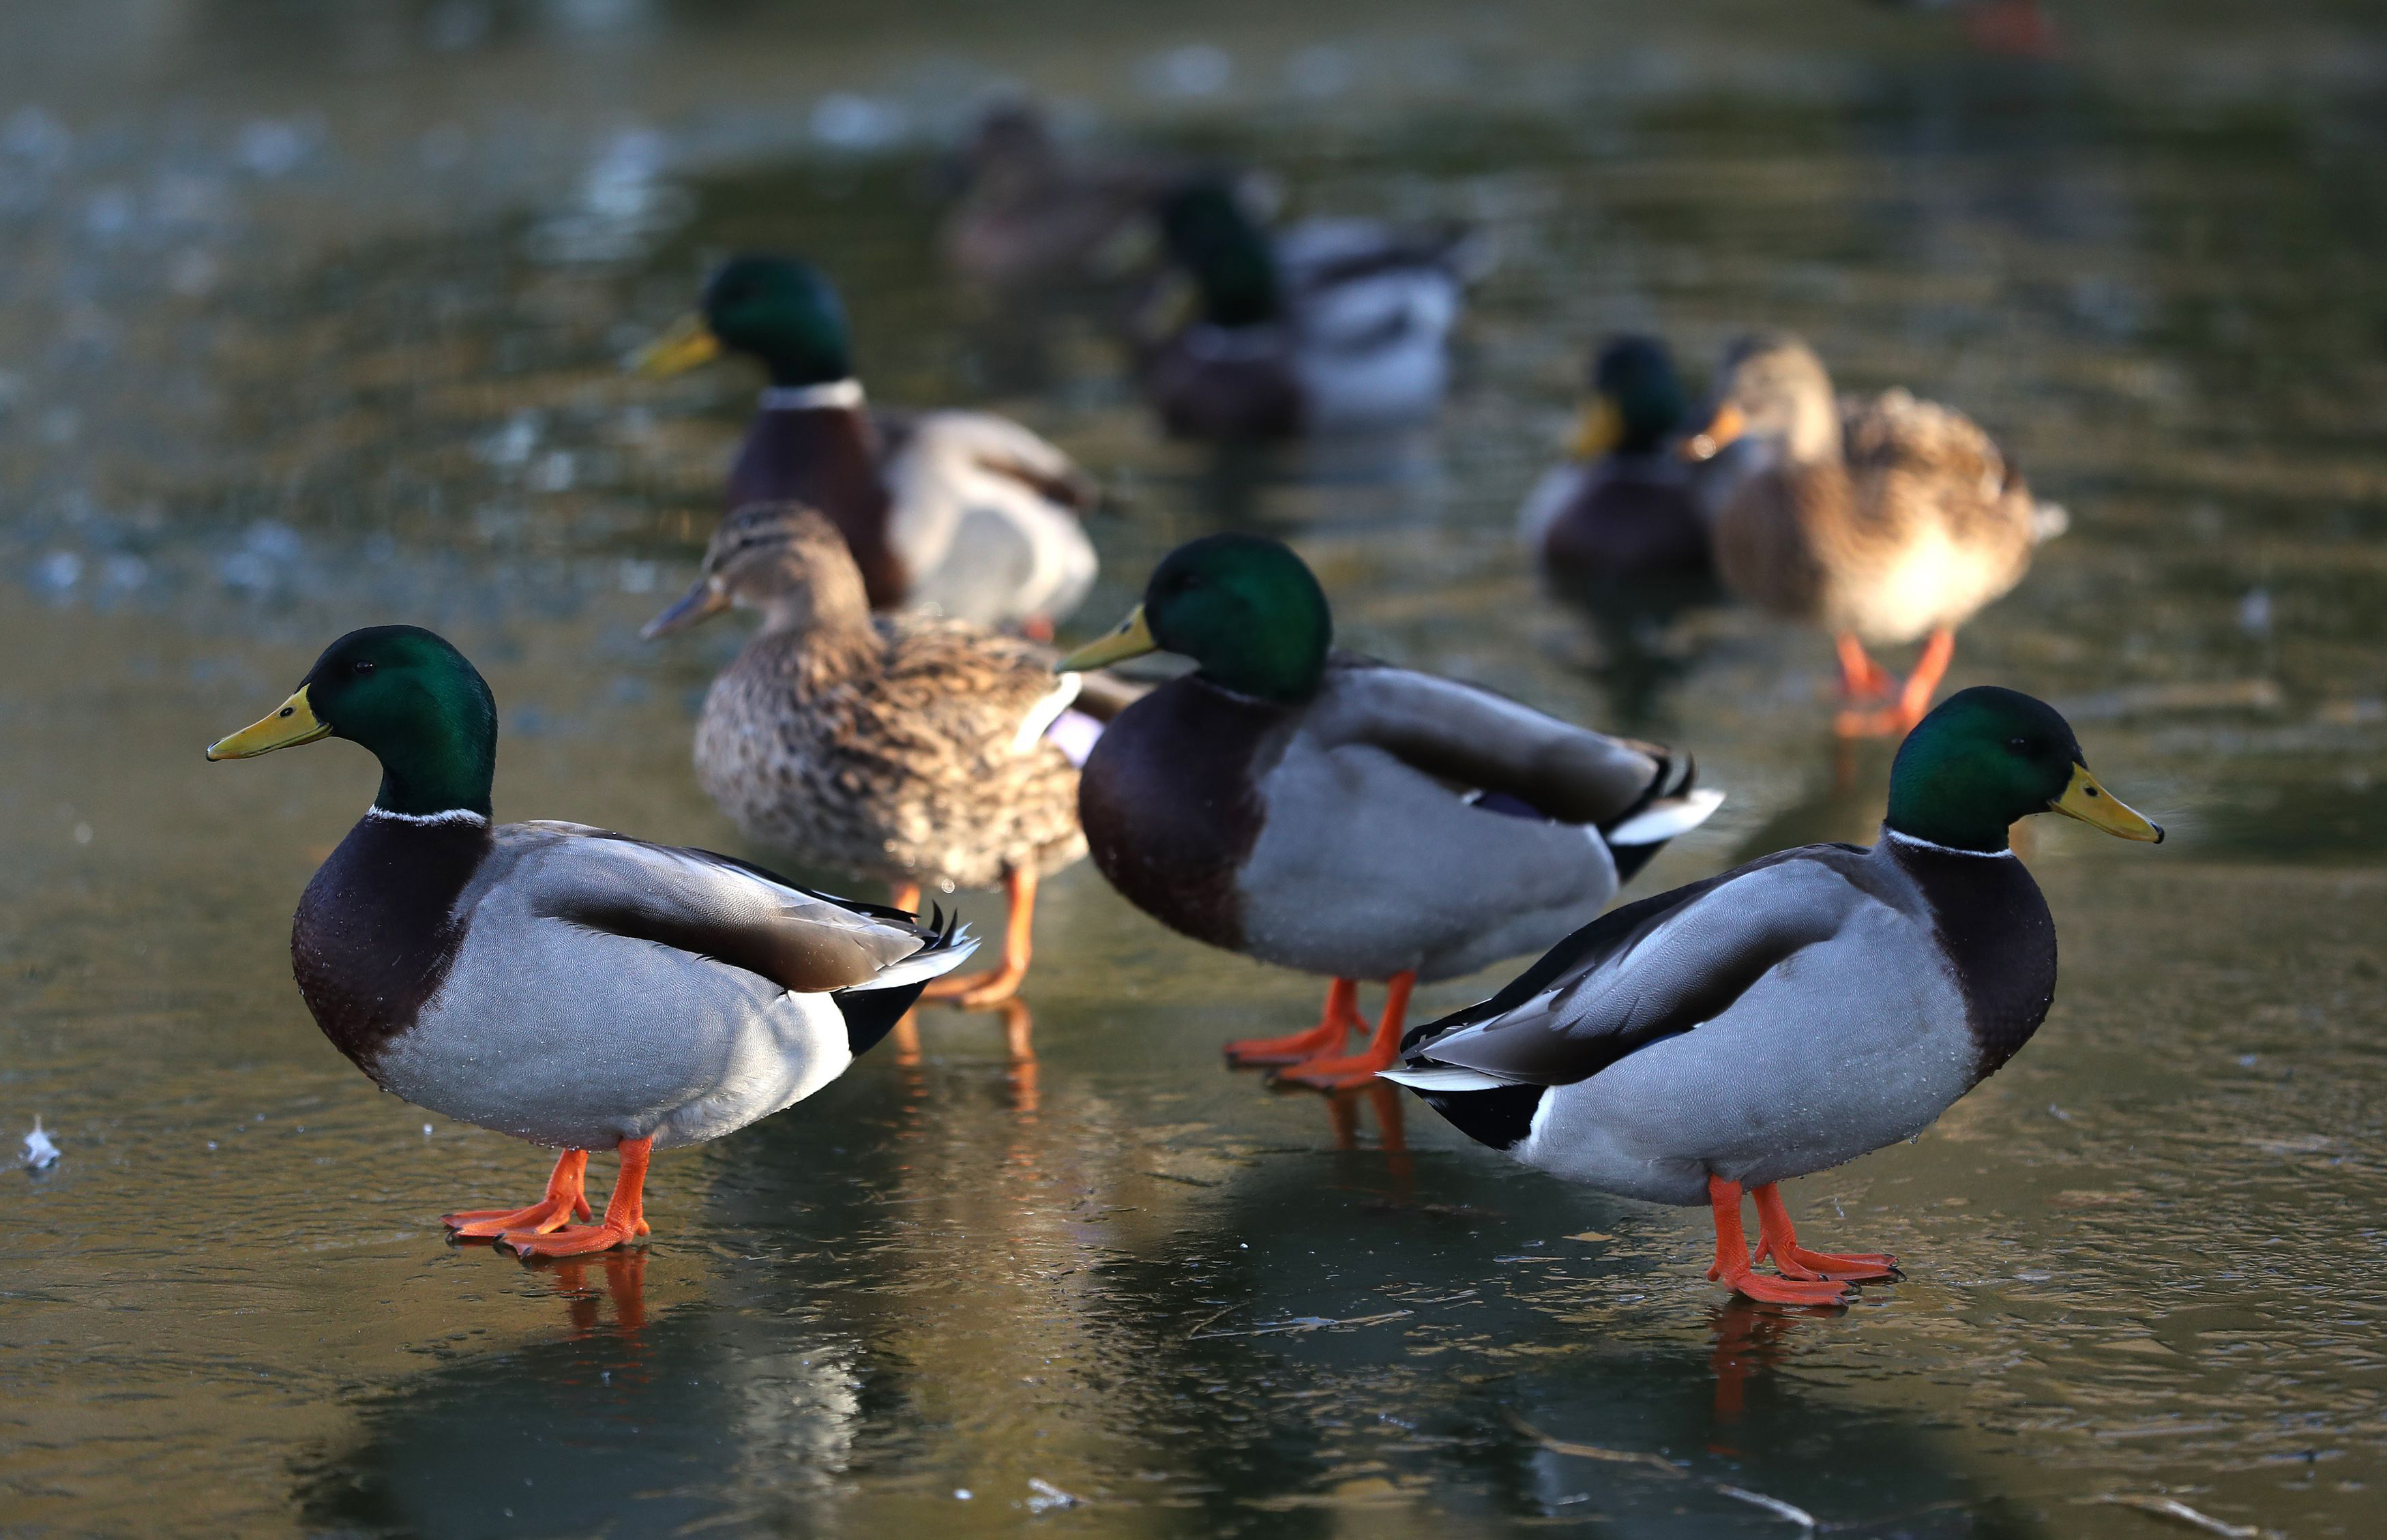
[887, 749]
[1918, 525]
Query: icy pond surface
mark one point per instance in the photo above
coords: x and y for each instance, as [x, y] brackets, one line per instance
[309, 317]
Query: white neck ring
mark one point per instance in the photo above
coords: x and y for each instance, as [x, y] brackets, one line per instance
[846, 393]
[1891, 834]
[453, 816]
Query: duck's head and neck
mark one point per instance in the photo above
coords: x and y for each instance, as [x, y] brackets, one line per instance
[780, 310]
[1637, 402]
[1209, 233]
[410, 699]
[784, 559]
[1988, 757]
[1774, 391]
[1246, 608]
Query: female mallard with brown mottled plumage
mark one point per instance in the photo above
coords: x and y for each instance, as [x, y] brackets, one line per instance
[1881, 521]
[899, 747]
[1333, 814]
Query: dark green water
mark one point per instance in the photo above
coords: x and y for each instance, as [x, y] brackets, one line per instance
[310, 320]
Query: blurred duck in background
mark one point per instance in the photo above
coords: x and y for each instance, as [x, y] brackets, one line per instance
[1027, 214]
[1621, 523]
[906, 748]
[2020, 28]
[1794, 1013]
[565, 985]
[1325, 812]
[1330, 326]
[956, 513]
[1882, 520]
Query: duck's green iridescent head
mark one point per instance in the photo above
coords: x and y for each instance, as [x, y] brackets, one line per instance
[1246, 608]
[780, 310]
[1209, 234]
[408, 697]
[1988, 757]
[1637, 401]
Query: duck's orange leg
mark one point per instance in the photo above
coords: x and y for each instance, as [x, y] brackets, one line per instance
[1338, 1074]
[904, 896]
[1861, 677]
[1777, 1240]
[567, 1195]
[1737, 1271]
[1914, 701]
[625, 1215]
[979, 991]
[1340, 1016]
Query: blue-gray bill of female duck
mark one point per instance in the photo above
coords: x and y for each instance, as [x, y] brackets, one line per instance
[1794, 1013]
[957, 514]
[1326, 811]
[562, 984]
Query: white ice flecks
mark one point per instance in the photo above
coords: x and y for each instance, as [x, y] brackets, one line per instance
[40, 1153]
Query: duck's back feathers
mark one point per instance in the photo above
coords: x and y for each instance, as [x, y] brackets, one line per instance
[985, 515]
[1918, 523]
[1393, 821]
[1778, 1020]
[897, 754]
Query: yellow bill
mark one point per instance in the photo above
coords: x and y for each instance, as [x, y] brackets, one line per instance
[2097, 807]
[1598, 428]
[687, 342]
[1132, 639]
[293, 724]
[1728, 424]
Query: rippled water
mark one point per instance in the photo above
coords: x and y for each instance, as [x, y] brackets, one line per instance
[311, 323]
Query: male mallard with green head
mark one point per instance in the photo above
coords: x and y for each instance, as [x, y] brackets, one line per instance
[1794, 1013]
[1326, 811]
[1336, 325]
[1880, 521]
[958, 513]
[1621, 519]
[559, 983]
[901, 748]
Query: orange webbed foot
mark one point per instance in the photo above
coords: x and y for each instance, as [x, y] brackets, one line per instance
[567, 1197]
[1778, 1240]
[573, 1240]
[1855, 1266]
[625, 1215]
[1358, 1069]
[1342, 1015]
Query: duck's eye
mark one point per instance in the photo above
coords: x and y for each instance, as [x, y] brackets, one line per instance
[2019, 745]
[361, 668]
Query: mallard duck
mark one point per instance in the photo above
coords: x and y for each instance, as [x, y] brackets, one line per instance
[1794, 1013]
[899, 747]
[1880, 521]
[1622, 520]
[1326, 811]
[958, 513]
[562, 984]
[1028, 213]
[1334, 326]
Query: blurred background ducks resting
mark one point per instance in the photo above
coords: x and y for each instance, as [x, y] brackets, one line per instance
[1028, 214]
[1881, 521]
[1794, 1013]
[1332, 325]
[1620, 523]
[906, 748]
[1325, 812]
[960, 513]
[559, 983]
